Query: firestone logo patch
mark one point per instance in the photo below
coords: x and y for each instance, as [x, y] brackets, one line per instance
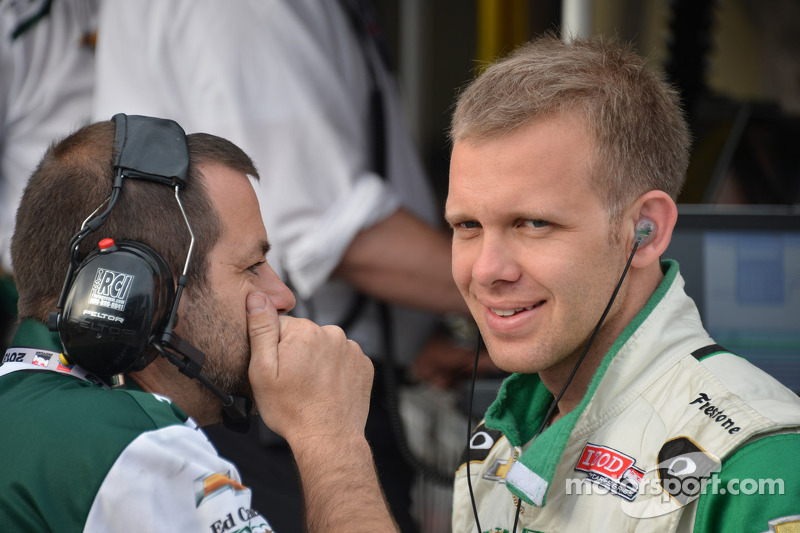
[611, 469]
[110, 289]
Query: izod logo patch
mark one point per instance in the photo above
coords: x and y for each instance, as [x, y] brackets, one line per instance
[611, 469]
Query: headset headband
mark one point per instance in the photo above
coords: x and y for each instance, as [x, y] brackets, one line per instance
[150, 148]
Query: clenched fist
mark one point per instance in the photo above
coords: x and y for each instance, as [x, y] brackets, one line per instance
[309, 381]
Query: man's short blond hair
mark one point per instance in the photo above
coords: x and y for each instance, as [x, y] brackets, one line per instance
[641, 137]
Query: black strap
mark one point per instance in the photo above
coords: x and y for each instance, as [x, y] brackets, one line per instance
[367, 31]
[706, 351]
[365, 28]
[34, 18]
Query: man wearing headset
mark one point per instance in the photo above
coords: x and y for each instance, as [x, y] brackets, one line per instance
[566, 163]
[80, 454]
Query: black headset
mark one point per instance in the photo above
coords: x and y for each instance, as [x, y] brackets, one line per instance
[121, 299]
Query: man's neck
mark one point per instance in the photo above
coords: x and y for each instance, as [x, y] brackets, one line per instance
[555, 377]
[641, 284]
[161, 377]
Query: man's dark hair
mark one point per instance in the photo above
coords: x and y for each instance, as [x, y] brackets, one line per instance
[74, 178]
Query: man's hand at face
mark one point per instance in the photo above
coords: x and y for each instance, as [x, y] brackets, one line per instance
[312, 386]
[309, 381]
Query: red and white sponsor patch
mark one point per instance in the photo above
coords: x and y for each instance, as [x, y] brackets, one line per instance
[612, 469]
[41, 359]
[605, 461]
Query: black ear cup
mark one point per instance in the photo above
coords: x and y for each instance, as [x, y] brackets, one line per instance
[120, 298]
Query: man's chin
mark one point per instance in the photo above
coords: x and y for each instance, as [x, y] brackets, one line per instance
[242, 389]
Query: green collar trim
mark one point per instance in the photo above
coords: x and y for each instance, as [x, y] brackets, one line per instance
[34, 334]
[523, 401]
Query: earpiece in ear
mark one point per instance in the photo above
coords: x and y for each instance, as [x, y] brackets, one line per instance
[645, 231]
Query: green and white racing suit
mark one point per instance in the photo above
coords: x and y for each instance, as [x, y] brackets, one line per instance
[674, 434]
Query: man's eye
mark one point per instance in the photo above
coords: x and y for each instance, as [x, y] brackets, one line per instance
[469, 224]
[537, 223]
[254, 268]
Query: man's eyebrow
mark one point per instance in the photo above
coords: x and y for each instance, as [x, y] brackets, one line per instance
[452, 215]
[258, 250]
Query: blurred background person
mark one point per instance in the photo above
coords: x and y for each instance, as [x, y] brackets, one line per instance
[47, 66]
[303, 86]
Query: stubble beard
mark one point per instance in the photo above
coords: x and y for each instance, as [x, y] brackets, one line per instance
[226, 348]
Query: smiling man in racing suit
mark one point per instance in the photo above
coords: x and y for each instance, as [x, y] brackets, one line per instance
[622, 413]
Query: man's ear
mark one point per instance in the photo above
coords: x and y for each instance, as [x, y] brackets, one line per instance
[658, 207]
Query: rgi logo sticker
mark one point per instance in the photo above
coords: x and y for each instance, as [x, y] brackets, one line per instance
[110, 289]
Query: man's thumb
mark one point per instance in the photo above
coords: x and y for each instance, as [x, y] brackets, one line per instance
[263, 325]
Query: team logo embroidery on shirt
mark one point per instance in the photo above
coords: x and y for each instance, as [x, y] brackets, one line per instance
[213, 484]
[481, 443]
[684, 468]
[611, 469]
